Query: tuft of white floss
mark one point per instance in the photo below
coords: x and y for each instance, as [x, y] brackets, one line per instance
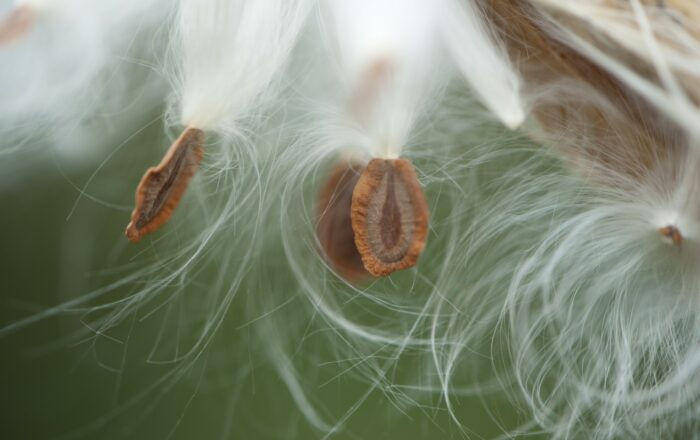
[72, 69]
[483, 60]
[600, 315]
[597, 311]
[387, 51]
[667, 43]
[231, 53]
[602, 321]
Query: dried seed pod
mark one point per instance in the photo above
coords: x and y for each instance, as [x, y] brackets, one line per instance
[16, 24]
[672, 233]
[334, 225]
[389, 216]
[162, 187]
[622, 133]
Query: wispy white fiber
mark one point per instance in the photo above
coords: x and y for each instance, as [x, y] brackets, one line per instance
[72, 66]
[601, 312]
[483, 60]
[543, 283]
[602, 324]
[231, 53]
[387, 52]
[668, 47]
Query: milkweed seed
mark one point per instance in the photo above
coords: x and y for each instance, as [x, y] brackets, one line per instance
[389, 216]
[334, 225]
[672, 233]
[162, 187]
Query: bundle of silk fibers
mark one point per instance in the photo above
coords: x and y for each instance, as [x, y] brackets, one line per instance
[556, 144]
[76, 74]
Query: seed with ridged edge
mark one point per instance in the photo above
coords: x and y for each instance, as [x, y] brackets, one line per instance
[163, 186]
[333, 224]
[389, 216]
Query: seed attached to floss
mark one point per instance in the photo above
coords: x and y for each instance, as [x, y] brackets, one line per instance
[389, 216]
[16, 24]
[672, 233]
[162, 187]
[334, 224]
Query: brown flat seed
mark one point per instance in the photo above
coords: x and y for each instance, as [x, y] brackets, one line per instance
[389, 216]
[16, 24]
[162, 187]
[672, 233]
[334, 225]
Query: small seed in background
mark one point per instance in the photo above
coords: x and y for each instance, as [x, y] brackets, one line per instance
[334, 224]
[16, 24]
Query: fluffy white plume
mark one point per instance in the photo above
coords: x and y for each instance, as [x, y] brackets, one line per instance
[601, 312]
[483, 60]
[665, 37]
[71, 66]
[231, 53]
[387, 50]
[561, 269]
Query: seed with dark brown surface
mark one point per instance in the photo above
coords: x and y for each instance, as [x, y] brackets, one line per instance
[389, 216]
[334, 226]
[162, 187]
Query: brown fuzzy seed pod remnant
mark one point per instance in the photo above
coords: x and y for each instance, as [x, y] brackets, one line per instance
[389, 216]
[334, 226]
[598, 122]
[16, 24]
[162, 187]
